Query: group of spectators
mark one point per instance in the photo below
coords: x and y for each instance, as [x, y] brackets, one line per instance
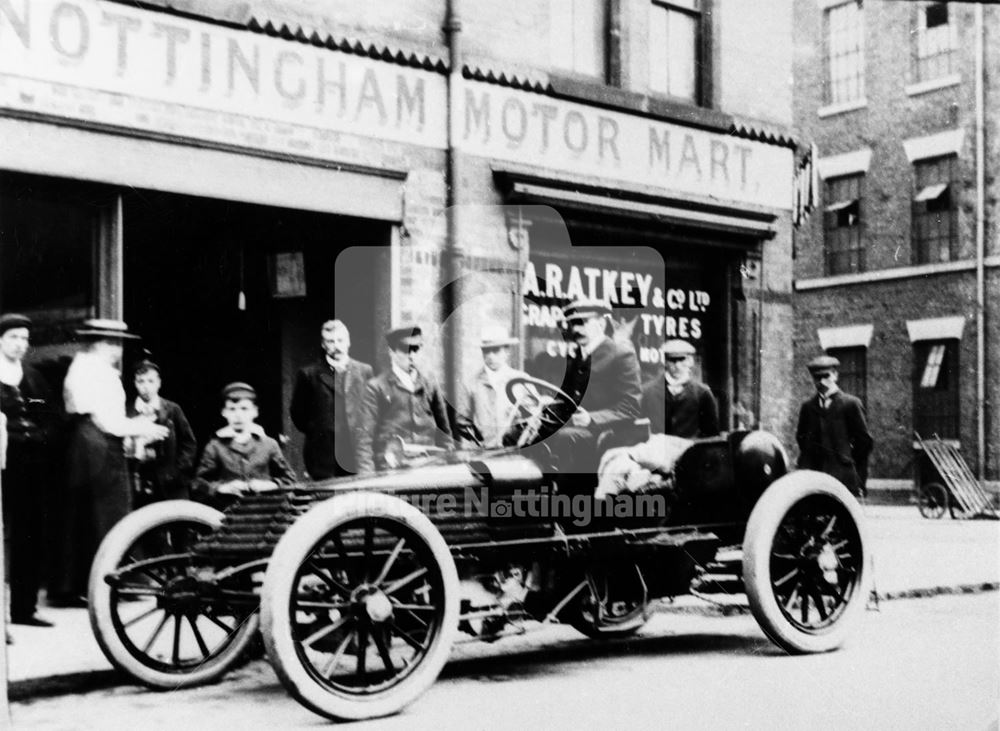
[123, 455]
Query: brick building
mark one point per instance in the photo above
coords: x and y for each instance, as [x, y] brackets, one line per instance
[898, 271]
[225, 176]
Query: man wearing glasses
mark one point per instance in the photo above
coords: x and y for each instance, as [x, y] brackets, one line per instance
[401, 403]
[832, 433]
[676, 403]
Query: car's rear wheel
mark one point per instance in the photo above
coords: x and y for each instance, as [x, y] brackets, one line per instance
[360, 606]
[805, 564]
[152, 615]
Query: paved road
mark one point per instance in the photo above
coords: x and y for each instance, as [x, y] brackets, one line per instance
[916, 664]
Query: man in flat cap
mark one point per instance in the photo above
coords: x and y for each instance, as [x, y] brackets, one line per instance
[602, 377]
[401, 403]
[832, 433]
[327, 404]
[483, 407]
[676, 403]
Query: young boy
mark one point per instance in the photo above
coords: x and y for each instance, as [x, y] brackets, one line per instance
[240, 458]
[161, 470]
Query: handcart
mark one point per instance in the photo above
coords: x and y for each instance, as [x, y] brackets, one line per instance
[944, 483]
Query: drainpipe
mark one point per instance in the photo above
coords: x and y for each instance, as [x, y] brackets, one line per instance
[980, 247]
[454, 252]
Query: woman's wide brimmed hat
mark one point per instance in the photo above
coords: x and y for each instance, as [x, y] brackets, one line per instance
[101, 329]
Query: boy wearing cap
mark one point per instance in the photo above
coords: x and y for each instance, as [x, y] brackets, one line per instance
[675, 403]
[162, 469]
[483, 405]
[240, 458]
[401, 403]
[832, 433]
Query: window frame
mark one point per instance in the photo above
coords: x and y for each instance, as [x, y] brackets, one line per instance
[943, 61]
[701, 12]
[831, 62]
[853, 371]
[843, 196]
[933, 228]
[936, 402]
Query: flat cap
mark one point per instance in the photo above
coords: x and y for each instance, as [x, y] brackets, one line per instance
[238, 390]
[677, 348]
[495, 336]
[582, 309]
[405, 336]
[823, 363]
[103, 329]
[12, 320]
[145, 366]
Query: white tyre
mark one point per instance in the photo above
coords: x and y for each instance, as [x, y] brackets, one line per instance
[805, 563]
[148, 609]
[359, 607]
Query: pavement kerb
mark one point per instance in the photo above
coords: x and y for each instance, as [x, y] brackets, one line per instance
[86, 681]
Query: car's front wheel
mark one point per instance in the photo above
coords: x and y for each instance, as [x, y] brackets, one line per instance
[805, 563]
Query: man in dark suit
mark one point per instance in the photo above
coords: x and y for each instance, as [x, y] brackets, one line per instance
[832, 433]
[401, 404]
[675, 403]
[327, 403]
[603, 380]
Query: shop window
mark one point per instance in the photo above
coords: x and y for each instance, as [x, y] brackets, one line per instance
[578, 38]
[853, 371]
[843, 53]
[935, 388]
[842, 225]
[49, 248]
[675, 48]
[934, 227]
[934, 40]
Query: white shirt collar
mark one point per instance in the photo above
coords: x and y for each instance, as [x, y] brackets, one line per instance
[338, 365]
[147, 407]
[227, 432]
[589, 350]
[11, 372]
[408, 380]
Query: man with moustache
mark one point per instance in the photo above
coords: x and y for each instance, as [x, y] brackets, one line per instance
[401, 404]
[327, 403]
[603, 380]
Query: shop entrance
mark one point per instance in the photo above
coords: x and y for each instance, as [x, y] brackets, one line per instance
[224, 291]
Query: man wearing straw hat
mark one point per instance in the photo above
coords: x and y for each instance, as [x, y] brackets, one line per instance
[483, 407]
[98, 490]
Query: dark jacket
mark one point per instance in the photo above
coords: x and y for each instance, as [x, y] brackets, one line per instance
[313, 413]
[173, 465]
[392, 411]
[692, 413]
[607, 384]
[835, 440]
[224, 460]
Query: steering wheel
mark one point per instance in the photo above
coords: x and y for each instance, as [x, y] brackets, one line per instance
[538, 406]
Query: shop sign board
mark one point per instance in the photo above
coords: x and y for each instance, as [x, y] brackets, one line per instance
[115, 65]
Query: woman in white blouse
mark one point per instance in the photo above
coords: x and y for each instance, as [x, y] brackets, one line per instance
[97, 482]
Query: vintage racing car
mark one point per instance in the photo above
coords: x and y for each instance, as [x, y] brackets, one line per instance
[361, 585]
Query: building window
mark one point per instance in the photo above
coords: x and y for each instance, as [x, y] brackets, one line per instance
[935, 234]
[935, 388]
[842, 226]
[49, 242]
[935, 38]
[853, 378]
[675, 48]
[844, 55]
[579, 36]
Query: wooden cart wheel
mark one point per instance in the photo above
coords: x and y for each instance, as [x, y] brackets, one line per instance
[932, 500]
[805, 563]
[360, 606]
[151, 615]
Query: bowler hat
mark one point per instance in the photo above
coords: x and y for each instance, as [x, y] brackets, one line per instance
[104, 329]
[677, 349]
[238, 390]
[495, 336]
[823, 363]
[12, 320]
[581, 309]
[403, 337]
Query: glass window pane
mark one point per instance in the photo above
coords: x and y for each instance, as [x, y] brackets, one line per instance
[560, 37]
[682, 33]
[658, 59]
[588, 34]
